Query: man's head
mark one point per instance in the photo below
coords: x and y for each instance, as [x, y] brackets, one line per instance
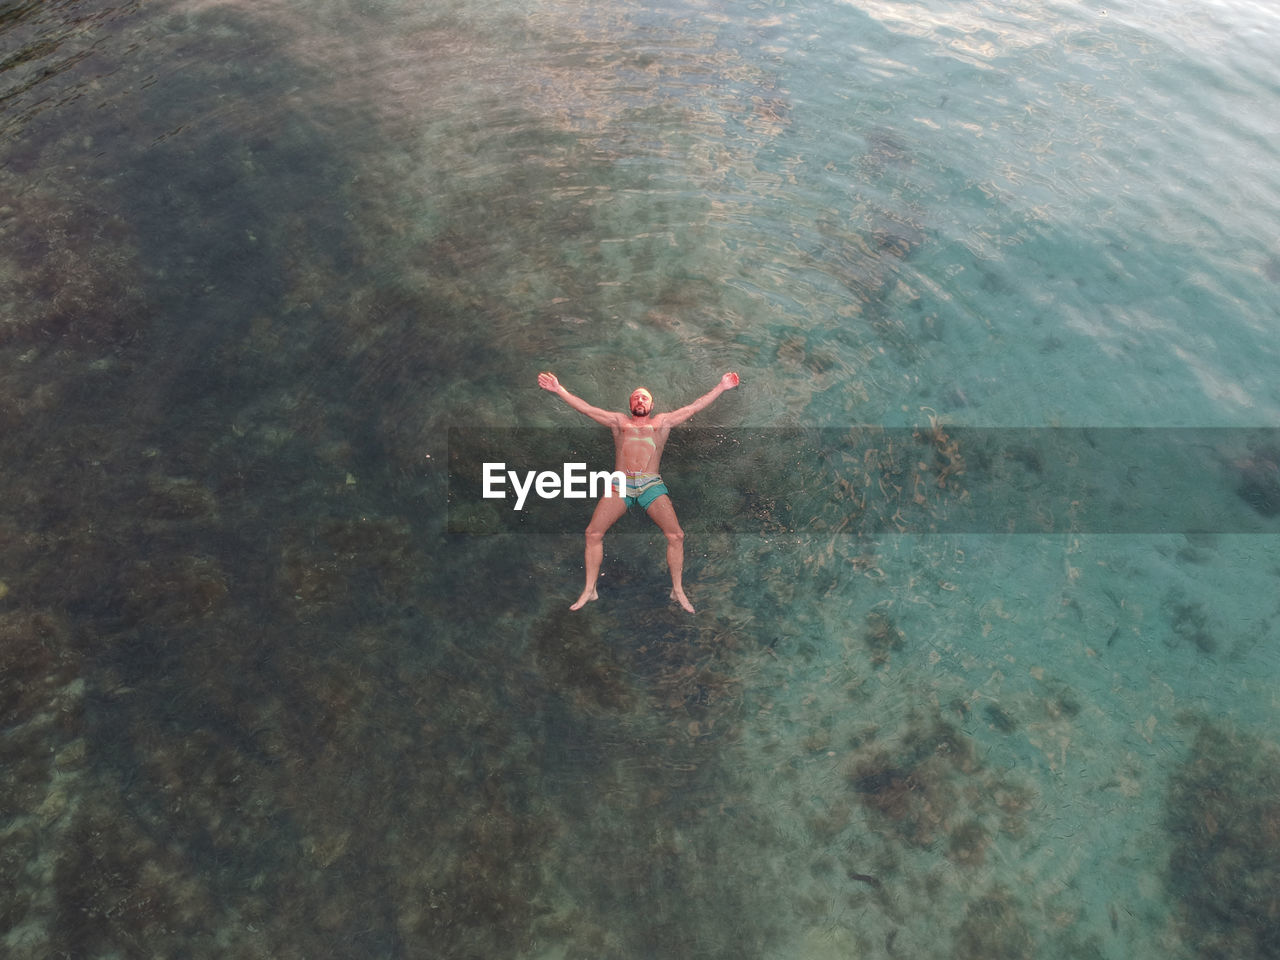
[641, 403]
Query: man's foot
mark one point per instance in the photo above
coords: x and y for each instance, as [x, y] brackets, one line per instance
[587, 597]
[677, 594]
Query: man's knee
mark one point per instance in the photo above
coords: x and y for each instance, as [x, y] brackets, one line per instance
[675, 537]
[595, 535]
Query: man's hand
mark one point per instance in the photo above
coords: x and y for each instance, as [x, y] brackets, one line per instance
[548, 381]
[676, 417]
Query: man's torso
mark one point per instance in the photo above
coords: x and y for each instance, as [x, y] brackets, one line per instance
[639, 447]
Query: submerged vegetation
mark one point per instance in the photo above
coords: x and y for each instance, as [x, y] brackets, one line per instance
[1223, 818]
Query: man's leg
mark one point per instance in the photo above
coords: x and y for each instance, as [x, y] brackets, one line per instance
[606, 514]
[664, 515]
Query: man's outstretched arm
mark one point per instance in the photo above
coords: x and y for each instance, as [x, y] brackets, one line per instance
[727, 382]
[548, 381]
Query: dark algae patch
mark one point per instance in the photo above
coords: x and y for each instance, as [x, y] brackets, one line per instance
[993, 929]
[882, 637]
[929, 789]
[1190, 623]
[1222, 812]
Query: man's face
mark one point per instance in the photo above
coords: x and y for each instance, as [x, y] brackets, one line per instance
[641, 402]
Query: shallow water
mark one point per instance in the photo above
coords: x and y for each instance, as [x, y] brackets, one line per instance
[269, 692]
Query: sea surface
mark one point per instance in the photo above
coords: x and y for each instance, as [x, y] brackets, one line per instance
[272, 686]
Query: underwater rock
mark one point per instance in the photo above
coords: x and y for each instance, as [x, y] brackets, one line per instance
[882, 637]
[967, 844]
[914, 787]
[1222, 812]
[1189, 622]
[999, 718]
[1258, 481]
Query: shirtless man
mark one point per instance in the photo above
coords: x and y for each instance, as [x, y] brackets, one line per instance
[638, 440]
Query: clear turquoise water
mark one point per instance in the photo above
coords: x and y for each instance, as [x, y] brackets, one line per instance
[257, 260]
